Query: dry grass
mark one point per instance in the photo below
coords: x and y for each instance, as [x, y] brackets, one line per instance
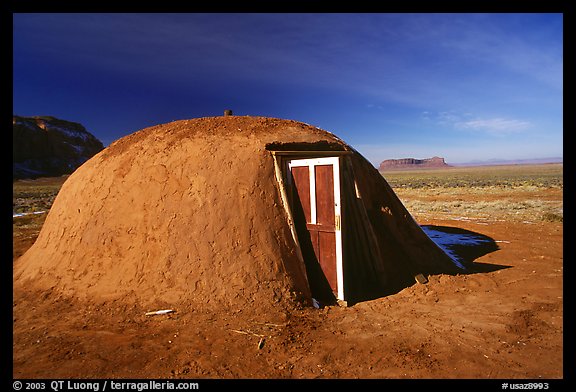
[31, 196]
[528, 193]
[35, 195]
[481, 177]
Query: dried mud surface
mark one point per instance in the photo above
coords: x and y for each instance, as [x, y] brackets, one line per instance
[503, 321]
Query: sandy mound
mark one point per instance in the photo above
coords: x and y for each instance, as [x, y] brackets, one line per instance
[190, 214]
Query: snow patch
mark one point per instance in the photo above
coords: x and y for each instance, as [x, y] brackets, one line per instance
[446, 241]
[19, 214]
[70, 132]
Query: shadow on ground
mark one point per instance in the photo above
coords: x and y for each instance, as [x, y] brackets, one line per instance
[464, 246]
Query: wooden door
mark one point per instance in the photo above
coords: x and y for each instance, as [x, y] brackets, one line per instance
[316, 184]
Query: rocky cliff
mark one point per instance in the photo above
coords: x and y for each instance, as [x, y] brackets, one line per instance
[412, 163]
[44, 146]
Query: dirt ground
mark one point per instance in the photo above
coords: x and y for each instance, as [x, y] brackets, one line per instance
[503, 321]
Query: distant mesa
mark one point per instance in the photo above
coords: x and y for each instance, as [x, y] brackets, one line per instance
[412, 163]
[44, 146]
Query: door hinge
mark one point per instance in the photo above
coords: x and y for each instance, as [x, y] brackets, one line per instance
[337, 223]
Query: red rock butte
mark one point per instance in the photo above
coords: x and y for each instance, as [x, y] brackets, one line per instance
[413, 163]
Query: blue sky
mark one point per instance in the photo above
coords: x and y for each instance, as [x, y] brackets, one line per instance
[462, 86]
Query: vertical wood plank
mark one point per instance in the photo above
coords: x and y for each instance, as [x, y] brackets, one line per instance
[327, 250]
[301, 176]
[325, 214]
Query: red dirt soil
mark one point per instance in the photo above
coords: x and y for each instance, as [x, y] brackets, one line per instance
[507, 324]
[498, 323]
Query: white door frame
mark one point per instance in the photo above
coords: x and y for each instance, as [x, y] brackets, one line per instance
[335, 162]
